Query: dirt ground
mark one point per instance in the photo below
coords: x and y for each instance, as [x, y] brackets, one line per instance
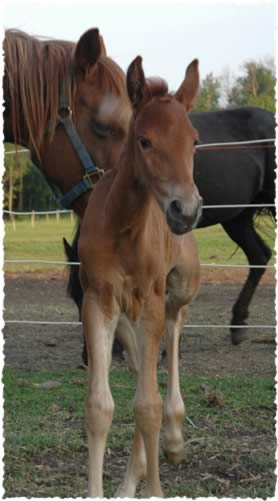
[203, 351]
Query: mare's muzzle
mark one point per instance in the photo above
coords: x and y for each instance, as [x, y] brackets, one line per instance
[182, 217]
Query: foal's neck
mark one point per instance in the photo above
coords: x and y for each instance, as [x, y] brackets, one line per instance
[130, 198]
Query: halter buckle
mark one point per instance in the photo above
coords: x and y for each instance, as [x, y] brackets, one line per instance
[88, 177]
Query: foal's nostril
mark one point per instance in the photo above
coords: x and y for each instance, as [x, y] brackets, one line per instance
[176, 208]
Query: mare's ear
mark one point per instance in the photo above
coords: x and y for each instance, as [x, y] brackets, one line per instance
[187, 92]
[89, 48]
[135, 79]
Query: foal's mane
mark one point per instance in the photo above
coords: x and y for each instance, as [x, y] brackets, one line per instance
[156, 87]
[37, 72]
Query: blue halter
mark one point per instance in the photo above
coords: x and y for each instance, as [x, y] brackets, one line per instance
[64, 118]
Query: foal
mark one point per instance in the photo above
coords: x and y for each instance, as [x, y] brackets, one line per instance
[139, 258]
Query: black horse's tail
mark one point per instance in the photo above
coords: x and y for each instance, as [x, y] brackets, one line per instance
[270, 163]
[265, 129]
[74, 288]
[266, 121]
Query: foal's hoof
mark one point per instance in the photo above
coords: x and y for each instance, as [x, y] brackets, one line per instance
[238, 335]
[174, 457]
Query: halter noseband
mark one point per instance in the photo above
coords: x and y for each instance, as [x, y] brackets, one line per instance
[64, 118]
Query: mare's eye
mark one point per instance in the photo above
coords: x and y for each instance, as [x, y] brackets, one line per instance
[101, 130]
[145, 143]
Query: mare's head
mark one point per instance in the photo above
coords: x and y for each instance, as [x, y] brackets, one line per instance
[45, 78]
[163, 143]
[102, 107]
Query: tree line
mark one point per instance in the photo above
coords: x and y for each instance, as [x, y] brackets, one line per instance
[26, 189]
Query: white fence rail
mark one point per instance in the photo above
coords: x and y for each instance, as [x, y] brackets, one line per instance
[76, 263]
[191, 326]
[64, 211]
[200, 146]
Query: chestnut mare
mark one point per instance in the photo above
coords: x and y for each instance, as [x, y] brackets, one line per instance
[68, 104]
[139, 259]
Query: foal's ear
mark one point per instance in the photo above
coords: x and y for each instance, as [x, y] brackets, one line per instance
[187, 92]
[135, 81]
[89, 48]
[103, 51]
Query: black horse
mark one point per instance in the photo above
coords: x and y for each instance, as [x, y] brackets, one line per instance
[232, 176]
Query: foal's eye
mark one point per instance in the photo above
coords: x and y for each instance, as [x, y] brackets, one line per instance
[145, 143]
[101, 130]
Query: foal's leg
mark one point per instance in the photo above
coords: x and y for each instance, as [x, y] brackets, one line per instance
[143, 461]
[136, 468]
[174, 410]
[148, 403]
[126, 334]
[99, 331]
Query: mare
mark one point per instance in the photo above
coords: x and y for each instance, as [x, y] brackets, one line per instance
[226, 177]
[139, 259]
[67, 103]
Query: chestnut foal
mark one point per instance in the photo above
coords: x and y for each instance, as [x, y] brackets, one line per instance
[139, 259]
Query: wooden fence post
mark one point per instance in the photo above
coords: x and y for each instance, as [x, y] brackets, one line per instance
[33, 219]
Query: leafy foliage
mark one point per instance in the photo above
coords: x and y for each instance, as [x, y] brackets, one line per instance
[256, 87]
[209, 94]
[24, 186]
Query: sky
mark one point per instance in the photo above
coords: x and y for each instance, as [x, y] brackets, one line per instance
[168, 34]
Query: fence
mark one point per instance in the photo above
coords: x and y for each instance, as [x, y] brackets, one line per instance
[229, 145]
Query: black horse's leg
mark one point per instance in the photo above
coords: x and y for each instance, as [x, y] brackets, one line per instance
[242, 231]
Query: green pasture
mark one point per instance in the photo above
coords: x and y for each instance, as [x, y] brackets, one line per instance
[230, 448]
[43, 241]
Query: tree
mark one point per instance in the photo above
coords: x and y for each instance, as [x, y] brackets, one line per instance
[24, 186]
[37, 194]
[256, 87]
[209, 94]
[16, 167]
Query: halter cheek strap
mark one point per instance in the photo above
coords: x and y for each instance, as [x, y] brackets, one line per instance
[64, 118]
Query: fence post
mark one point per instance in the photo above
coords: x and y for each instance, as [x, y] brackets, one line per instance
[13, 222]
[47, 218]
[71, 216]
[57, 216]
[33, 218]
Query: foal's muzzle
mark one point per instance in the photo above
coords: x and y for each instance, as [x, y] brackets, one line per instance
[182, 217]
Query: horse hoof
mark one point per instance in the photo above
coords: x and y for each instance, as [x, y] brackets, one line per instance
[238, 336]
[174, 457]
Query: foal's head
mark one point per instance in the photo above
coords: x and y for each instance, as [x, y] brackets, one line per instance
[163, 142]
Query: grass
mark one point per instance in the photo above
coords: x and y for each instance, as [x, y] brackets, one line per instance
[44, 242]
[230, 451]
